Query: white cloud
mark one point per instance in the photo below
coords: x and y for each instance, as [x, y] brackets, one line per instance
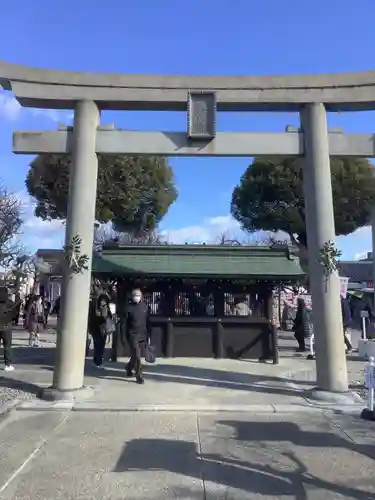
[361, 255]
[38, 225]
[38, 233]
[356, 245]
[207, 232]
[11, 110]
[213, 228]
[9, 107]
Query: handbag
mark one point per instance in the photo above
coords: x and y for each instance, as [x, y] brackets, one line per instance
[108, 327]
[150, 356]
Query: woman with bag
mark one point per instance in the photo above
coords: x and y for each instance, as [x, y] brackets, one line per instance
[101, 325]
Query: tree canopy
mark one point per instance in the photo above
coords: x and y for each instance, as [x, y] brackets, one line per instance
[133, 192]
[270, 196]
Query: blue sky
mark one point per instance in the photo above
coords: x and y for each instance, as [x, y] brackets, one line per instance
[214, 37]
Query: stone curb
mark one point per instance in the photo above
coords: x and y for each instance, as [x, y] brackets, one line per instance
[249, 409]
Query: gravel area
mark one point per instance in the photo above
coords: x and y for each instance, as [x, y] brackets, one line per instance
[355, 376]
[8, 395]
[11, 390]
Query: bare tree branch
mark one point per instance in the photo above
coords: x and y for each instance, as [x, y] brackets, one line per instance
[105, 235]
[11, 220]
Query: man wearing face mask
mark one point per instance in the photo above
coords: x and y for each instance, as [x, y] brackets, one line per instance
[137, 331]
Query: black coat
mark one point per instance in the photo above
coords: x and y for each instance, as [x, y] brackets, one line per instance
[345, 311]
[137, 323]
[301, 323]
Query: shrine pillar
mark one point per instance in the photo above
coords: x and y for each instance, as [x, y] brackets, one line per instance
[332, 375]
[68, 374]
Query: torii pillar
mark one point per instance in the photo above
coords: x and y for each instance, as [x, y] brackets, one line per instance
[68, 376]
[332, 375]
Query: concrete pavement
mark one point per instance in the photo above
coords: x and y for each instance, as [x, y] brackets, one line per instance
[198, 429]
[178, 384]
[159, 456]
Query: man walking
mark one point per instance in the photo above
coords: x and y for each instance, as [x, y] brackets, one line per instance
[7, 308]
[137, 331]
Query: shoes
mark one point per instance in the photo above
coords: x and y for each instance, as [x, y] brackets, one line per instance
[140, 380]
[9, 368]
[100, 367]
[301, 349]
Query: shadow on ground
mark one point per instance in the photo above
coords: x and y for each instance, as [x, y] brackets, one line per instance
[33, 355]
[284, 474]
[206, 377]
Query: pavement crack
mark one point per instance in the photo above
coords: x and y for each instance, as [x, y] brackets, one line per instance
[33, 454]
[201, 457]
[336, 425]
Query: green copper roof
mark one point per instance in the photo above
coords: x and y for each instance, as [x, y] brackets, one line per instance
[198, 260]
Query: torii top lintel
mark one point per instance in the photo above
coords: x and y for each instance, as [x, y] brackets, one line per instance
[56, 89]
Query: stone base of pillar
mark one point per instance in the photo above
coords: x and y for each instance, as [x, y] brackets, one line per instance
[317, 396]
[368, 415]
[52, 394]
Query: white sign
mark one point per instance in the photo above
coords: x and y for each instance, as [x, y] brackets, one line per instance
[290, 298]
[344, 287]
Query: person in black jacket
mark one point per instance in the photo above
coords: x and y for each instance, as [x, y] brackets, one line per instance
[99, 314]
[346, 319]
[301, 325]
[7, 308]
[137, 332]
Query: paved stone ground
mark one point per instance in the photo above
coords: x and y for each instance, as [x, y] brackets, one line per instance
[192, 382]
[239, 430]
[161, 456]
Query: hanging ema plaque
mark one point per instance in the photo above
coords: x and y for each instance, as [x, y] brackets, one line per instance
[201, 115]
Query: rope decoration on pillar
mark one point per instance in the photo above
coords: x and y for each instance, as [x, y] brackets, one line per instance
[76, 261]
[328, 258]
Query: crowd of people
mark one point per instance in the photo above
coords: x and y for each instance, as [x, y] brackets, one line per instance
[136, 329]
[34, 311]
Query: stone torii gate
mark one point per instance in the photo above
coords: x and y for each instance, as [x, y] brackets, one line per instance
[202, 97]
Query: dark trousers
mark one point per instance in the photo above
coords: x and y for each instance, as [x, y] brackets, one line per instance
[116, 344]
[16, 318]
[88, 344]
[136, 351]
[99, 347]
[6, 338]
[348, 345]
[300, 338]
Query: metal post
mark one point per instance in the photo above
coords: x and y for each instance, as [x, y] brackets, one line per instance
[369, 383]
[373, 255]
